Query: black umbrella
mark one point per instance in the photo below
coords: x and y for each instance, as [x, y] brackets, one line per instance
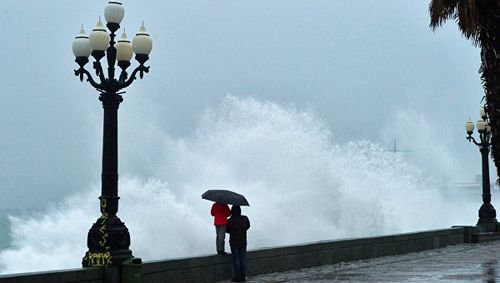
[225, 196]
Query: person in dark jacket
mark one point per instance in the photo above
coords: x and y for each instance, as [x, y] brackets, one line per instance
[220, 212]
[237, 227]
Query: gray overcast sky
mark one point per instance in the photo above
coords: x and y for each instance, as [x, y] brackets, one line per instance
[354, 64]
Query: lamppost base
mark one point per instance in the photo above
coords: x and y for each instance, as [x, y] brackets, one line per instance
[108, 241]
[487, 225]
[487, 217]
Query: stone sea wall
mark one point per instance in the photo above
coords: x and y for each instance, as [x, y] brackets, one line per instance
[276, 259]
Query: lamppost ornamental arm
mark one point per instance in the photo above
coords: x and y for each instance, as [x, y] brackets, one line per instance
[83, 47]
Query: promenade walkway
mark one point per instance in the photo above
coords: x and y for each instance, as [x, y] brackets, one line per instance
[461, 263]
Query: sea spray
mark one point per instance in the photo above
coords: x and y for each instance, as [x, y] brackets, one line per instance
[426, 144]
[302, 186]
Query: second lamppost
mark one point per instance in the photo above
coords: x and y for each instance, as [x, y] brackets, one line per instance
[487, 214]
[108, 240]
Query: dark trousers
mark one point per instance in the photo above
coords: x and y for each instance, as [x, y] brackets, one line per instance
[239, 262]
[220, 230]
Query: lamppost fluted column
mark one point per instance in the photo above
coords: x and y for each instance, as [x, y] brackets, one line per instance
[486, 174]
[108, 240]
[487, 214]
[109, 177]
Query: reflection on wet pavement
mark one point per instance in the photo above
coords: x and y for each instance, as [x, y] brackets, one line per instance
[490, 270]
[462, 263]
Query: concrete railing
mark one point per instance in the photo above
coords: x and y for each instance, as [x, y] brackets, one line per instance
[216, 268]
[269, 260]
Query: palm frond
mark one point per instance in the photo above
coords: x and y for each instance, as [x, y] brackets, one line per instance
[441, 11]
[468, 14]
[468, 19]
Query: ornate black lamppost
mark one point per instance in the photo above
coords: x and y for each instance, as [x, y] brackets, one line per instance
[109, 240]
[487, 215]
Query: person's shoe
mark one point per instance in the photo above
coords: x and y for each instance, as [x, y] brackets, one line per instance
[236, 280]
[222, 253]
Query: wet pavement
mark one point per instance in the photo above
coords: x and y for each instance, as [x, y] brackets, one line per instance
[461, 263]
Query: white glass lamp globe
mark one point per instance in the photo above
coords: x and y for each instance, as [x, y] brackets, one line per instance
[124, 50]
[481, 125]
[99, 38]
[469, 126]
[142, 43]
[81, 44]
[113, 13]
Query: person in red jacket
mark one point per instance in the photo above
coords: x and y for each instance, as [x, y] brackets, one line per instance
[220, 212]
